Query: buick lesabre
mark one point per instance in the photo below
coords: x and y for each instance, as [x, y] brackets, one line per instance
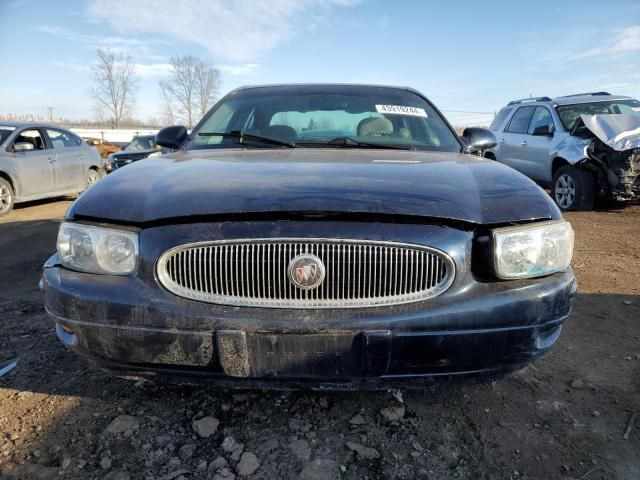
[313, 236]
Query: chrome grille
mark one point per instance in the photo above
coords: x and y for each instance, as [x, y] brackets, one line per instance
[254, 273]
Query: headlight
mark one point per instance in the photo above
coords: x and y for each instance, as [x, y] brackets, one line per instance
[532, 250]
[97, 250]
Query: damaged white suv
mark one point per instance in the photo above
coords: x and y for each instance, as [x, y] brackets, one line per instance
[581, 146]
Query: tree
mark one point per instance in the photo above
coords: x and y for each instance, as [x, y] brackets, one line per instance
[115, 83]
[190, 90]
[168, 116]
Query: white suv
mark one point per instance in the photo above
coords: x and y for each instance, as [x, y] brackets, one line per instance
[565, 143]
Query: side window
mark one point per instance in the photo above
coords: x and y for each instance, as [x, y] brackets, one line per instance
[60, 139]
[76, 140]
[34, 137]
[499, 119]
[520, 121]
[541, 118]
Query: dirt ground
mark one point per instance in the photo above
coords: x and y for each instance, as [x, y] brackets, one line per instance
[564, 417]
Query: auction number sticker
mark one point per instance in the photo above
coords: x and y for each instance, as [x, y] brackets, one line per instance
[401, 110]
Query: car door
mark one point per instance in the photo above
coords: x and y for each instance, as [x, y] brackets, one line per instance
[513, 140]
[37, 173]
[70, 158]
[535, 155]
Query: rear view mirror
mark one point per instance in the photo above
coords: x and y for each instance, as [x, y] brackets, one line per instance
[172, 137]
[23, 147]
[543, 130]
[479, 139]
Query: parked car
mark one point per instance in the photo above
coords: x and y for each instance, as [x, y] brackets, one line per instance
[565, 143]
[142, 146]
[40, 161]
[385, 256]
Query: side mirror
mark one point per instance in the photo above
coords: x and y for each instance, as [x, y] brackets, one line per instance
[543, 130]
[23, 147]
[479, 139]
[172, 137]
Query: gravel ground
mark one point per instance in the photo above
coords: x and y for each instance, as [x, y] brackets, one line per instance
[571, 415]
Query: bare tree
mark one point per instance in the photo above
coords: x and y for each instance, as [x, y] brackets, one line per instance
[190, 89]
[115, 83]
[208, 84]
[168, 107]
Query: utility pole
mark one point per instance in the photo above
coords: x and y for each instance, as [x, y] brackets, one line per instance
[50, 114]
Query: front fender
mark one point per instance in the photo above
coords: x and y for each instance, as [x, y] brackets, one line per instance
[10, 174]
[571, 149]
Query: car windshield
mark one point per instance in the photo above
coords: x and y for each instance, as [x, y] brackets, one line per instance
[5, 132]
[325, 117]
[142, 143]
[570, 113]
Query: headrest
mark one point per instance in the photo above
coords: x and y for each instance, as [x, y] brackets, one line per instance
[281, 132]
[375, 126]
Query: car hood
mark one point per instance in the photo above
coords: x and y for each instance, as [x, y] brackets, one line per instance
[125, 154]
[619, 131]
[303, 180]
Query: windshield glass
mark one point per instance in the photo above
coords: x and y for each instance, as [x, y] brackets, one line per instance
[570, 113]
[312, 116]
[5, 132]
[142, 143]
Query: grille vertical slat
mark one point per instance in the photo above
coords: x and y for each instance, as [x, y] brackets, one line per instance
[255, 273]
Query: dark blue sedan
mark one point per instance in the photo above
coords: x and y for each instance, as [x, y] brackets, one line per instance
[262, 254]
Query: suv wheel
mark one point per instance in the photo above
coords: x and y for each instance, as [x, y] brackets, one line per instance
[573, 188]
[92, 177]
[6, 197]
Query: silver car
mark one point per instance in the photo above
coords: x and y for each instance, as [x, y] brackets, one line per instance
[40, 161]
[569, 144]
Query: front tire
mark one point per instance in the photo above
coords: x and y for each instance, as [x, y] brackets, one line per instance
[7, 197]
[573, 188]
[92, 177]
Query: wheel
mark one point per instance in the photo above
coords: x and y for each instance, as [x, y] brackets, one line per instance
[6, 197]
[574, 188]
[92, 177]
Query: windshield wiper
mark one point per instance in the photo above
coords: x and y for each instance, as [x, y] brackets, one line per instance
[352, 142]
[241, 135]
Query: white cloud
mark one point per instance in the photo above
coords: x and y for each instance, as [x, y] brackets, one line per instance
[237, 30]
[118, 44]
[243, 69]
[144, 70]
[624, 40]
[147, 70]
[72, 64]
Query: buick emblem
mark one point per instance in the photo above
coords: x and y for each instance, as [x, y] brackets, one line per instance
[306, 271]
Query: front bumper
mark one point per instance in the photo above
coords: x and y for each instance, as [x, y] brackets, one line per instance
[133, 330]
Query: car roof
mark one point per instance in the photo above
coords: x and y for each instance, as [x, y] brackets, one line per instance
[589, 98]
[569, 99]
[321, 85]
[29, 124]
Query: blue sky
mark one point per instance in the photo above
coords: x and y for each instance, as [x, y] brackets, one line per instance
[472, 56]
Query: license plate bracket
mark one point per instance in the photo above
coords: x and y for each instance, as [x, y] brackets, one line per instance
[334, 355]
